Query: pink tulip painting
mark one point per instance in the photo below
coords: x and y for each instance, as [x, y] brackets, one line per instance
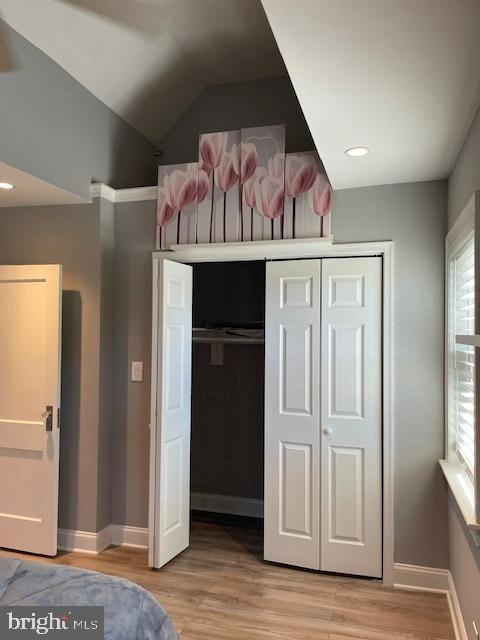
[262, 157]
[321, 198]
[300, 174]
[211, 149]
[243, 187]
[177, 196]
[203, 185]
[249, 161]
[225, 178]
[249, 193]
[269, 197]
[219, 157]
[165, 213]
[181, 190]
[307, 196]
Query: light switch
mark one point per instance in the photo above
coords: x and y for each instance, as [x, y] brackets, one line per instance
[137, 371]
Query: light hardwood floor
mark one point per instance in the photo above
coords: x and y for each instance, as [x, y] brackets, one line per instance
[221, 589]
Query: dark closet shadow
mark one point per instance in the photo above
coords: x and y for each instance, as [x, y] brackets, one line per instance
[70, 408]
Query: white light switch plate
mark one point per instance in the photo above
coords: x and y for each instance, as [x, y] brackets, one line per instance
[137, 371]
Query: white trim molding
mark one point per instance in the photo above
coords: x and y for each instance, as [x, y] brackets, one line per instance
[85, 541]
[231, 505]
[416, 578]
[125, 536]
[135, 194]
[91, 542]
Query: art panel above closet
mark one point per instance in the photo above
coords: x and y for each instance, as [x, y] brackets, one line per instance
[243, 188]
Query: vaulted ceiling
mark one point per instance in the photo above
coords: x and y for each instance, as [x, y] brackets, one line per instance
[149, 59]
[397, 76]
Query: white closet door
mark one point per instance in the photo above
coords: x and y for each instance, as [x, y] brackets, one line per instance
[351, 476]
[292, 413]
[170, 472]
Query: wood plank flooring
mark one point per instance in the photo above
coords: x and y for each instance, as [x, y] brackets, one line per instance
[221, 589]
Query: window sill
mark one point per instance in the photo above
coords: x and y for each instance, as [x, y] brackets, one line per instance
[462, 490]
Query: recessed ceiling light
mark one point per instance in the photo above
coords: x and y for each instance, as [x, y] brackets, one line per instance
[357, 152]
[6, 185]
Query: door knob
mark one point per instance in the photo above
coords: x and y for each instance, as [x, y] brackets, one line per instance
[328, 431]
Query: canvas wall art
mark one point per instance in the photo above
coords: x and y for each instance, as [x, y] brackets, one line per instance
[219, 175]
[177, 205]
[262, 182]
[243, 188]
[308, 197]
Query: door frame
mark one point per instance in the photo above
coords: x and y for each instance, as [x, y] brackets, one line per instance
[288, 250]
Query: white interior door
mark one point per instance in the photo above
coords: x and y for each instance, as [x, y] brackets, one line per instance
[292, 413]
[351, 399]
[30, 334]
[171, 412]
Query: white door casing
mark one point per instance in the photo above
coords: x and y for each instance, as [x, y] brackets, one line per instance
[30, 344]
[351, 400]
[292, 413]
[171, 392]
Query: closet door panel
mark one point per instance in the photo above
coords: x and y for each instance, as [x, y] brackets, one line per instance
[351, 456]
[292, 413]
[170, 470]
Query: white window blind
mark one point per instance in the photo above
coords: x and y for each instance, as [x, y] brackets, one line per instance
[463, 377]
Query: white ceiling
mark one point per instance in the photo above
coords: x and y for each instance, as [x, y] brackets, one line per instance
[30, 191]
[148, 59]
[398, 76]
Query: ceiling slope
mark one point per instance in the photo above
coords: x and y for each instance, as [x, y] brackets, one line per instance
[149, 59]
[400, 78]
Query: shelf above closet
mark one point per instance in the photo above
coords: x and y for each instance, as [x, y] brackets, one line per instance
[228, 336]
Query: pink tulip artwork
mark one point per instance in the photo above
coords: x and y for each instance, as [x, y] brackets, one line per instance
[219, 159]
[307, 197]
[262, 157]
[177, 204]
[321, 198]
[243, 188]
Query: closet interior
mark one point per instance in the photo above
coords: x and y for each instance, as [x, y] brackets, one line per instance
[228, 366]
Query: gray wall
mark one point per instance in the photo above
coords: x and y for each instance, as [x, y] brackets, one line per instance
[465, 176]
[135, 241]
[55, 129]
[69, 235]
[233, 106]
[464, 557]
[414, 216]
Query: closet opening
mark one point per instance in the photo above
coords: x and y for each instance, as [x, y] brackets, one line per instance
[227, 409]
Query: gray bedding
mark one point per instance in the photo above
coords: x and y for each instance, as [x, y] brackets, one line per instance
[131, 613]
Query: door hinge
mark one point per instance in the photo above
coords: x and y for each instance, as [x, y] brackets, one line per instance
[58, 418]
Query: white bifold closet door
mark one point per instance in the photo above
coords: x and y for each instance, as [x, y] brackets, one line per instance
[351, 416]
[323, 400]
[171, 413]
[292, 413]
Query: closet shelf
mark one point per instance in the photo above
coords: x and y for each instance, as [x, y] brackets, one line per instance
[228, 336]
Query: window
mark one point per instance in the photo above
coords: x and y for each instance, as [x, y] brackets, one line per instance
[461, 466]
[462, 355]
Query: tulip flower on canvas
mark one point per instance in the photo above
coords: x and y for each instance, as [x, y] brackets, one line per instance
[177, 204]
[307, 197]
[243, 188]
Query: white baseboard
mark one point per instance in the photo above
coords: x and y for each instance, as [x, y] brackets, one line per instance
[125, 536]
[91, 542]
[409, 576]
[86, 541]
[232, 505]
